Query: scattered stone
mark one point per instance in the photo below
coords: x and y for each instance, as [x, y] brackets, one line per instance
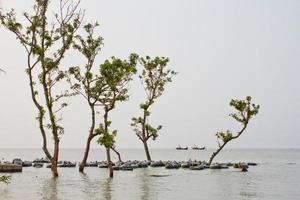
[41, 160]
[17, 161]
[240, 165]
[199, 167]
[27, 164]
[157, 175]
[67, 164]
[172, 165]
[215, 166]
[291, 163]
[244, 169]
[92, 164]
[39, 165]
[157, 164]
[252, 164]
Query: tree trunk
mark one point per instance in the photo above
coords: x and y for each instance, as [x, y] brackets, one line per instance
[111, 172]
[214, 154]
[119, 155]
[88, 142]
[147, 151]
[86, 154]
[55, 158]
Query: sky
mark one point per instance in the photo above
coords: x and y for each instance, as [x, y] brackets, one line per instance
[220, 49]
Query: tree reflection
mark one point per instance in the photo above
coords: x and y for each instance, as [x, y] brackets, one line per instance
[49, 189]
[107, 189]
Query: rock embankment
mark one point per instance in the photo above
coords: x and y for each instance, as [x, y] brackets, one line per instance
[8, 168]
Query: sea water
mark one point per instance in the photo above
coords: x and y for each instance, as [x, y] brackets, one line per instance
[277, 176]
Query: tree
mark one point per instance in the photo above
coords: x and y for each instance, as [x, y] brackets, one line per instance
[245, 111]
[85, 82]
[46, 44]
[154, 77]
[114, 76]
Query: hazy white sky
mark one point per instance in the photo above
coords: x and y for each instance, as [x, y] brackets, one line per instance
[221, 49]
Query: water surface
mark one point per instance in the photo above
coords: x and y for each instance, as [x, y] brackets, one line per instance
[276, 177]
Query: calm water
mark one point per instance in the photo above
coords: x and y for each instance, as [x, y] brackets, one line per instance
[276, 177]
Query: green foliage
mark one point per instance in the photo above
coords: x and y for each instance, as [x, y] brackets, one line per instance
[154, 77]
[107, 139]
[112, 80]
[90, 46]
[82, 79]
[224, 136]
[46, 45]
[112, 87]
[245, 109]
[5, 179]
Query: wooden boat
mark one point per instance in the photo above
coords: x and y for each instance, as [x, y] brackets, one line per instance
[195, 147]
[181, 148]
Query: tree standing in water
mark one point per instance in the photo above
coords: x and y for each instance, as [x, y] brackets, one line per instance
[245, 111]
[114, 77]
[154, 77]
[84, 83]
[46, 44]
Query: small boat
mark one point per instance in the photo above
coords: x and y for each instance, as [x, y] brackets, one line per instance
[195, 147]
[181, 148]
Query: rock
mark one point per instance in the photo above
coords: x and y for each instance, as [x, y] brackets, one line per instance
[39, 165]
[5, 167]
[41, 160]
[67, 164]
[172, 165]
[157, 175]
[127, 166]
[215, 166]
[252, 164]
[103, 165]
[185, 165]
[199, 167]
[223, 166]
[240, 165]
[291, 163]
[157, 164]
[27, 164]
[17, 161]
[143, 164]
[92, 164]
[244, 169]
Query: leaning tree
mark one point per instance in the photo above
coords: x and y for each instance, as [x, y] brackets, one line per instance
[154, 77]
[245, 110]
[46, 43]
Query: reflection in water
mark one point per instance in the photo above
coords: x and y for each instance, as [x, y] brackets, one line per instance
[94, 188]
[146, 183]
[89, 188]
[247, 188]
[4, 192]
[106, 188]
[49, 189]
